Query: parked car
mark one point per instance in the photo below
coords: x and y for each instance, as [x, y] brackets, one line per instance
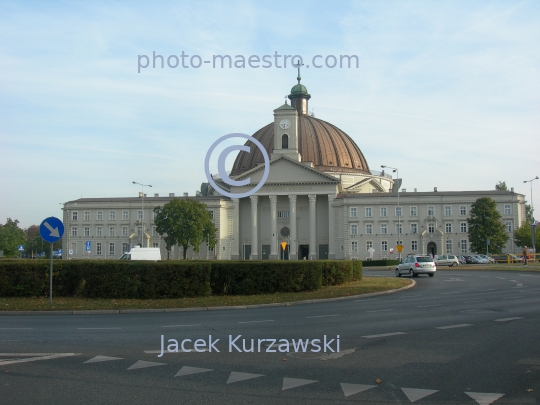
[480, 259]
[470, 260]
[462, 260]
[489, 259]
[447, 260]
[416, 264]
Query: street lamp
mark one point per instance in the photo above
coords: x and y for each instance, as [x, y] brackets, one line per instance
[533, 224]
[395, 170]
[142, 216]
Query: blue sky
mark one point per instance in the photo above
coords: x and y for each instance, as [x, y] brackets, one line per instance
[447, 91]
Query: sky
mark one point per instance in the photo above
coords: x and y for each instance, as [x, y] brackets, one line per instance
[446, 91]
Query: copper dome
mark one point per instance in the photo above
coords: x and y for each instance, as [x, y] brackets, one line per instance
[328, 147]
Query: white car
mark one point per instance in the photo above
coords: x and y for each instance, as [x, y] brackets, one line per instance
[447, 260]
[415, 265]
[481, 259]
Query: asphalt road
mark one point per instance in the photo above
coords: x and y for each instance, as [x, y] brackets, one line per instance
[461, 337]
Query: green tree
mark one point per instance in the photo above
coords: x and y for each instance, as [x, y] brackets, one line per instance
[501, 185]
[185, 222]
[528, 213]
[522, 235]
[35, 244]
[10, 237]
[485, 222]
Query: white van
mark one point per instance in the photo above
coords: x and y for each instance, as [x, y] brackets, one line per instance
[139, 253]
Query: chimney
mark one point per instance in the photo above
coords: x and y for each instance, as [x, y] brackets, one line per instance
[156, 195]
[435, 189]
[171, 194]
[415, 190]
[403, 190]
[185, 195]
[512, 189]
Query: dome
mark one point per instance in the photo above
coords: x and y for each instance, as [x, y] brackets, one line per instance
[328, 147]
[299, 89]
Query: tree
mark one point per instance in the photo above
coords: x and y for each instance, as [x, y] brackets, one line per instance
[529, 213]
[485, 222]
[501, 185]
[11, 236]
[522, 235]
[185, 222]
[35, 244]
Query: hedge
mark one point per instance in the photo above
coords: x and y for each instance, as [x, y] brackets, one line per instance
[377, 263]
[170, 279]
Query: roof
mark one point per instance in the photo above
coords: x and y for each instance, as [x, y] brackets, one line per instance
[404, 194]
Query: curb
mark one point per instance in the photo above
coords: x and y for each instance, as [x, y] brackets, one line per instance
[144, 311]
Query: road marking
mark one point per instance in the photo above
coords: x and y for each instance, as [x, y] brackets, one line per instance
[501, 278]
[515, 281]
[99, 328]
[414, 394]
[236, 376]
[470, 302]
[508, 319]
[471, 310]
[289, 383]
[16, 328]
[145, 364]
[462, 325]
[489, 289]
[409, 296]
[453, 292]
[484, 276]
[366, 299]
[381, 310]
[508, 298]
[520, 285]
[384, 335]
[180, 326]
[267, 320]
[186, 370]
[428, 306]
[351, 389]
[34, 357]
[484, 398]
[320, 316]
[99, 359]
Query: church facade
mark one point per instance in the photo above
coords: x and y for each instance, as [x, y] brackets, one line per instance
[320, 201]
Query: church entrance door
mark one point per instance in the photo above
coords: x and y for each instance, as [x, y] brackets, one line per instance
[323, 252]
[247, 252]
[266, 252]
[432, 248]
[303, 251]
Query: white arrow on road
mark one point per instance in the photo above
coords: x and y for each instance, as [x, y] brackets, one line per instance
[54, 231]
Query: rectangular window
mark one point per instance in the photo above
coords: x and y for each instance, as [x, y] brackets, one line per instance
[368, 212]
[73, 249]
[139, 215]
[154, 215]
[383, 212]
[156, 245]
[431, 211]
[74, 215]
[112, 215]
[507, 210]
[125, 215]
[212, 214]
[125, 247]
[414, 245]
[73, 231]
[369, 229]
[431, 227]
[354, 246]
[282, 214]
[154, 232]
[384, 229]
[352, 212]
[369, 244]
[463, 246]
[384, 246]
[462, 210]
[111, 230]
[414, 211]
[87, 215]
[398, 211]
[98, 248]
[124, 231]
[448, 210]
[354, 229]
[111, 248]
[399, 228]
[99, 215]
[139, 231]
[414, 229]
[508, 226]
[99, 231]
[463, 227]
[86, 231]
[448, 246]
[448, 227]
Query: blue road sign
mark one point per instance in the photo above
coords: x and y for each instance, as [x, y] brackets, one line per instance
[20, 248]
[88, 245]
[51, 229]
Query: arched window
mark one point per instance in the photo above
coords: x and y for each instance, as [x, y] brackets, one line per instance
[284, 141]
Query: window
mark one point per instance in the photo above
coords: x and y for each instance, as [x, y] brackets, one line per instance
[111, 248]
[125, 215]
[384, 246]
[398, 211]
[368, 212]
[414, 245]
[507, 210]
[139, 215]
[156, 245]
[125, 247]
[86, 231]
[73, 248]
[383, 212]
[98, 248]
[73, 231]
[508, 225]
[448, 210]
[154, 232]
[99, 215]
[154, 215]
[124, 231]
[431, 227]
[354, 246]
[448, 227]
[284, 141]
[74, 215]
[414, 211]
[283, 214]
[369, 229]
[111, 230]
[462, 210]
[369, 244]
[414, 229]
[463, 246]
[448, 246]
[87, 215]
[384, 229]
[463, 227]
[112, 215]
[353, 212]
[399, 228]
[139, 231]
[431, 211]
[354, 229]
[99, 231]
[212, 214]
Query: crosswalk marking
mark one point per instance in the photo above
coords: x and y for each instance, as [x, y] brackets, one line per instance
[414, 394]
[289, 383]
[484, 398]
[186, 370]
[145, 364]
[98, 359]
[351, 389]
[236, 376]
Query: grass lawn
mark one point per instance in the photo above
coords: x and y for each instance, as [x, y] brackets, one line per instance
[365, 286]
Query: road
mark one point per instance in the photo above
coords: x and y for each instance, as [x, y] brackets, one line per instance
[461, 337]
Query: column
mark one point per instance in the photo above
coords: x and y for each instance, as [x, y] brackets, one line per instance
[293, 254]
[273, 222]
[254, 229]
[331, 230]
[312, 227]
[235, 253]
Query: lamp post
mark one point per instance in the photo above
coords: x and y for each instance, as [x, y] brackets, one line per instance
[142, 216]
[395, 170]
[533, 224]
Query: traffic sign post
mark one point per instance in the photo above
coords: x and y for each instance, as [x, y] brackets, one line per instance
[20, 248]
[51, 230]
